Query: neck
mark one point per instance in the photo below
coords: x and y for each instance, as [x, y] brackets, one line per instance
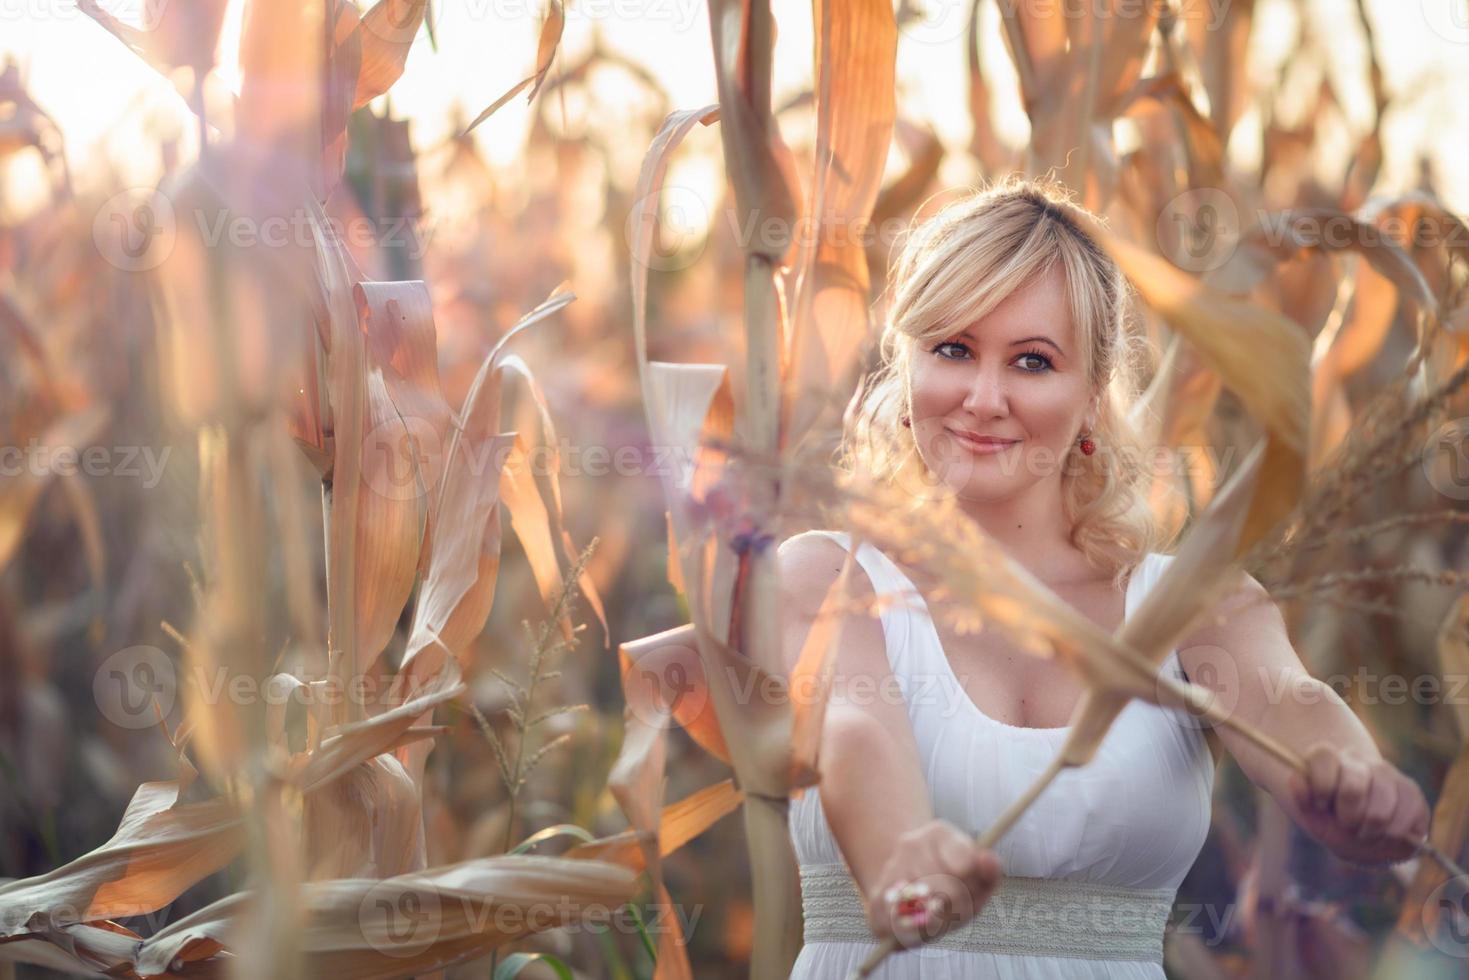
[1031, 527]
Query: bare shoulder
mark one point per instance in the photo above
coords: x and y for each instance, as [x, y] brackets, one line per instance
[809, 565]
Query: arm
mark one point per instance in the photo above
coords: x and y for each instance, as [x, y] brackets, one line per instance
[872, 788]
[1352, 800]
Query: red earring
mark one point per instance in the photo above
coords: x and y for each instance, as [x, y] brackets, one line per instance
[907, 422]
[1088, 446]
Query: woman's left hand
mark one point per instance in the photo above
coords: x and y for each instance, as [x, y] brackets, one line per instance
[1364, 810]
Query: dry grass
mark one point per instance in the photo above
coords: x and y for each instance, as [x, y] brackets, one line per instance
[154, 822]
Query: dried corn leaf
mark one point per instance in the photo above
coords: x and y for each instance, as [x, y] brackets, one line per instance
[551, 29]
[387, 33]
[412, 924]
[87, 948]
[758, 163]
[1453, 656]
[162, 846]
[178, 35]
[515, 366]
[665, 669]
[636, 782]
[643, 223]
[679, 823]
[19, 492]
[856, 51]
[1449, 832]
[1230, 333]
[1204, 566]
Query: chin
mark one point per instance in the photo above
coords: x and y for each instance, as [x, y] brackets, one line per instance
[984, 487]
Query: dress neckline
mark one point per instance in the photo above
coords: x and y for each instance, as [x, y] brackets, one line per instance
[926, 617]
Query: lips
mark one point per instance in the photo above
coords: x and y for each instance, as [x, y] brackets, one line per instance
[990, 443]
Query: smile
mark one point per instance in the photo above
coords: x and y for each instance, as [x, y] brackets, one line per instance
[984, 447]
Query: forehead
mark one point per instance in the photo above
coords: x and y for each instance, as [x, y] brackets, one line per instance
[1041, 305]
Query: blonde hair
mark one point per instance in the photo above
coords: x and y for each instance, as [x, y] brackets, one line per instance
[951, 271]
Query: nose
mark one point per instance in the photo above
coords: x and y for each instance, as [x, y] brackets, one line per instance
[987, 396]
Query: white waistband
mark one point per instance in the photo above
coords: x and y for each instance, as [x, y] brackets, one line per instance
[1024, 917]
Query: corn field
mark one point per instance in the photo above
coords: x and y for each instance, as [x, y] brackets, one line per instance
[388, 525]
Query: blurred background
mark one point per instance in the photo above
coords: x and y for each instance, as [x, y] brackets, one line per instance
[1303, 103]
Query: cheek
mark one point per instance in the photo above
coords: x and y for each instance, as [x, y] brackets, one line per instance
[934, 388]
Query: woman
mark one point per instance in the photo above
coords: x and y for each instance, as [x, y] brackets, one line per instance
[1006, 376]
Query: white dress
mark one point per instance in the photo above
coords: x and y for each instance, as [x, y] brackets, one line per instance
[1121, 832]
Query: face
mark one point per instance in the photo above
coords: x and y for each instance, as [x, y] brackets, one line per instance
[1015, 375]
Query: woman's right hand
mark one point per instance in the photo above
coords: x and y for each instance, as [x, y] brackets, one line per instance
[960, 873]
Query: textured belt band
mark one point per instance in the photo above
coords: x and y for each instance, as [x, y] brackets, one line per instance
[1024, 917]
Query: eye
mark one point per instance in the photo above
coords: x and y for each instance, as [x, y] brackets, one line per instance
[1033, 356]
[948, 343]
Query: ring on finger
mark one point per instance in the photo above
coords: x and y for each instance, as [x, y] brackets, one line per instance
[912, 904]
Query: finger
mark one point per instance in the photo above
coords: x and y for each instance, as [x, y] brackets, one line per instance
[956, 856]
[1300, 790]
[1351, 792]
[1401, 826]
[1323, 768]
[1410, 819]
[987, 866]
[1383, 793]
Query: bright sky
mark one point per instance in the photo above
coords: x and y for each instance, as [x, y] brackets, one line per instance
[107, 102]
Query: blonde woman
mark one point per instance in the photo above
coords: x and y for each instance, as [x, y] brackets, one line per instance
[1006, 375]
